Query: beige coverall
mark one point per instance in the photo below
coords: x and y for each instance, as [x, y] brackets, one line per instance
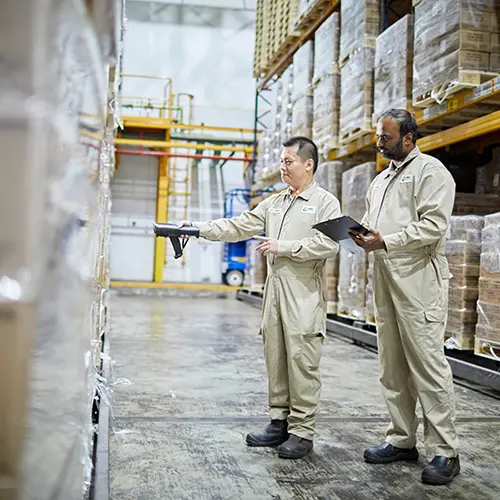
[411, 207]
[294, 308]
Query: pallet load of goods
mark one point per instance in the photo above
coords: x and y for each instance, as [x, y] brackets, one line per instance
[302, 95]
[453, 47]
[54, 232]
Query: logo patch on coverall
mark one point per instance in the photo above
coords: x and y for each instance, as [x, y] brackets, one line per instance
[308, 210]
[406, 179]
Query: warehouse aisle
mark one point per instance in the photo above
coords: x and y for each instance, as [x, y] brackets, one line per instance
[197, 386]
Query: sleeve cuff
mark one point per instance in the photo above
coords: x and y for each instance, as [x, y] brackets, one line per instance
[285, 248]
[392, 242]
[203, 227]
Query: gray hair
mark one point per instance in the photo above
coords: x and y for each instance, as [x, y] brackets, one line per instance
[405, 120]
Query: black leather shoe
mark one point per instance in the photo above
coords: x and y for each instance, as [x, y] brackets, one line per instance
[274, 434]
[442, 470]
[386, 453]
[295, 447]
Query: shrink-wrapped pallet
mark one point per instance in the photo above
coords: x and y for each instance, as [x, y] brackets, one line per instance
[354, 266]
[326, 85]
[452, 47]
[302, 97]
[360, 25]
[463, 250]
[54, 232]
[488, 176]
[370, 304]
[329, 177]
[394, 67]
[488, 306]
[287, 80]
[356, 100]
[257, 266]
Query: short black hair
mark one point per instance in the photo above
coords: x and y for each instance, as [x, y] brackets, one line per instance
[405, 120]
[306, 149]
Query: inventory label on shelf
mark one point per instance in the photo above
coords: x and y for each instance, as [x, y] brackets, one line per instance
[479, 92]
[343, 151]
[496, 84]
[433, 111]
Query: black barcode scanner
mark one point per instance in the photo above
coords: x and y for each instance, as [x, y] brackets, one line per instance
[179, 236]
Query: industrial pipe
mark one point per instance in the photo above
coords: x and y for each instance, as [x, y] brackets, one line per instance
[179, 155]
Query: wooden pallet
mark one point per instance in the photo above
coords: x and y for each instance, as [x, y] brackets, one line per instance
[460, 341]
[354, 135]
[467, 79]
[487, 349]
[317, 9]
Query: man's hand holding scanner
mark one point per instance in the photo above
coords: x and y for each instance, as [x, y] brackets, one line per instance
[370, 243]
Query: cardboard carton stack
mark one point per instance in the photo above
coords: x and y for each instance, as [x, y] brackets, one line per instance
[257, 266]
[302, 95]
[488, 306]
[488, 176]
[353, 267]
[476, 204]
[359, 29]
[326, 84]
[453, 47]
[329, 177]
[394, 67]
[370, 304]
[463, 250]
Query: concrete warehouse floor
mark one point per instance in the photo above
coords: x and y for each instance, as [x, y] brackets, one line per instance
[198, 385]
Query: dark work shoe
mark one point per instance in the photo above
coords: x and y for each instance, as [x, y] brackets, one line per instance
[273, 435]
[295, 447]
[386, 453]
[442, 470]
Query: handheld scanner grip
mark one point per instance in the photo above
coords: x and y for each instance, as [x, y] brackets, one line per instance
[167, 230]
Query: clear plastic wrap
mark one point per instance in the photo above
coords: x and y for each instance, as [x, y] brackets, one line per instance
[257, 266]
[353, 267]
[327, 47]
[326, 113]
[488, 306]
[52, 182]
[463, 250]
[370, 305]
[488, 176]
[264, 150]
[394, 67]
[452, 46]
[302, 107]
[356, 101]
[360, 25]
[286, 112]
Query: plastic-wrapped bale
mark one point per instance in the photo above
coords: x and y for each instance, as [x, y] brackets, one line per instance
[488, 176]
[277, 112]
[463, 250]
[353, 267]
[394, 67]
[264, 151]
[326, 85]
[360, 25]
[488, 306]
[52, 60]
[329, 177]
[302, 96]
[356, 99]
[287, 96]
[452, 47]
[370, 305]
[257, 266]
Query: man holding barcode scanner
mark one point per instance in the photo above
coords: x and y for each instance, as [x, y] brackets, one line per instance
[409, 206]
[294, 308]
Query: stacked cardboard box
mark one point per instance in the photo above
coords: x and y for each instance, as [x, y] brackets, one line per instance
[370, 304]
[50, 322]
[329, 177]
[326, 84]
[287, 80]
[359, 29]
[264, 150]
[453, 46]
[476, 204]
[488, 306]
[394, 67]
[257, 266]
[353, 267]
[463, 250]
[302, 97]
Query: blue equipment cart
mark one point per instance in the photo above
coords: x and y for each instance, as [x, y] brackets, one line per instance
[234, 261]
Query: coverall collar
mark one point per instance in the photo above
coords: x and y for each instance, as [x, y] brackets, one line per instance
[306, 195]
[393, 169]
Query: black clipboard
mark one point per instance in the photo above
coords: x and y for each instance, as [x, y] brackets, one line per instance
[338, 229]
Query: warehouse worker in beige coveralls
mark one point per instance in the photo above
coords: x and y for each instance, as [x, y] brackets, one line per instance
[294, 308]
[409, 207]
